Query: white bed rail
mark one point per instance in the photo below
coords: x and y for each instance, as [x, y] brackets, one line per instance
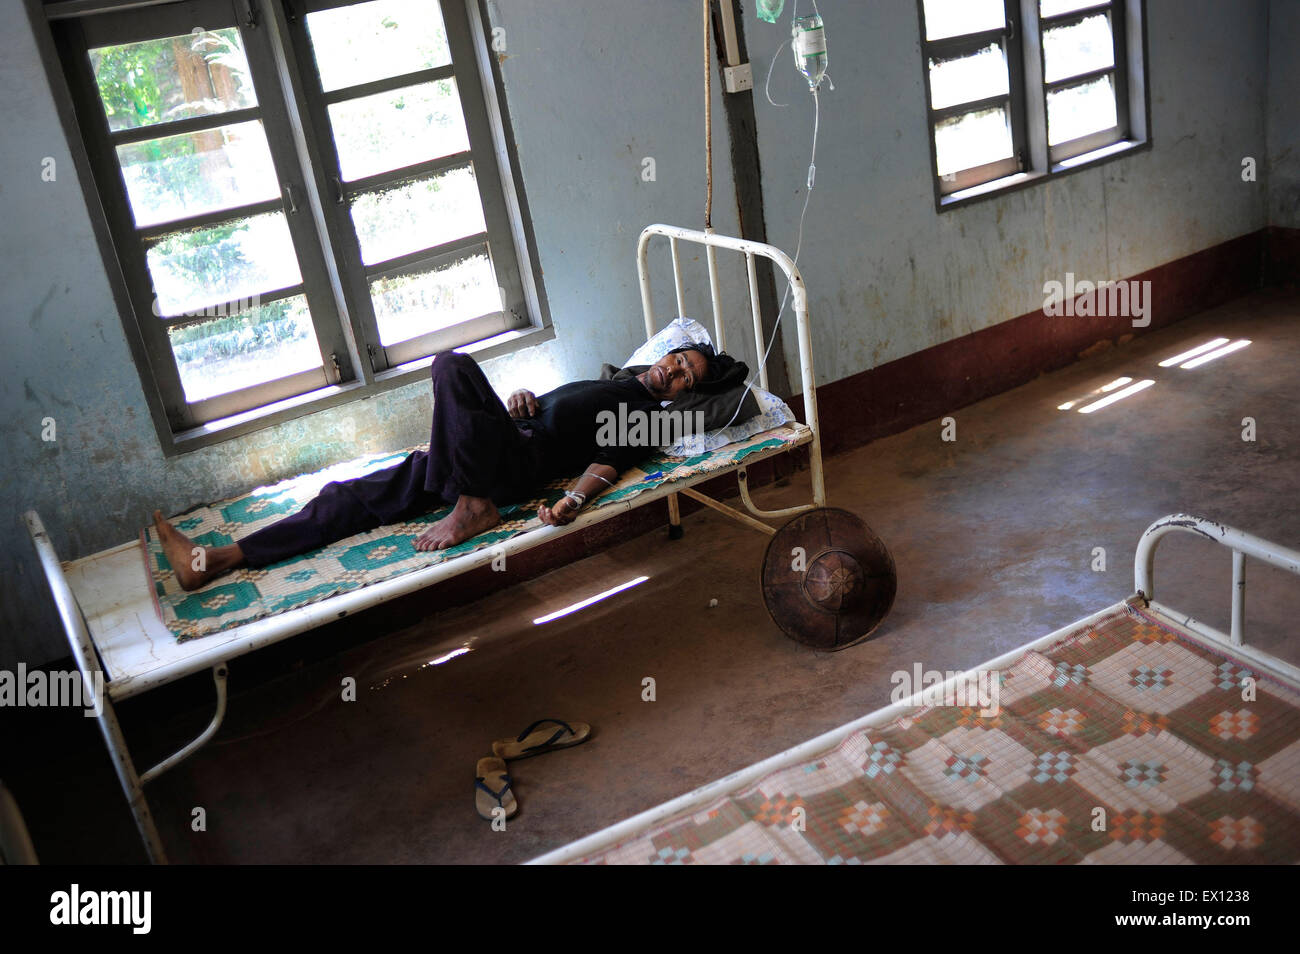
[711, 240]
[1242, 545]
[83, 652]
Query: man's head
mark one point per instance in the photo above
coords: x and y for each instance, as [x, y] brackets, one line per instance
[679, 371]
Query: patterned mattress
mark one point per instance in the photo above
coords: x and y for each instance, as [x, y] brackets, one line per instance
[1123, 743]
[366, 558]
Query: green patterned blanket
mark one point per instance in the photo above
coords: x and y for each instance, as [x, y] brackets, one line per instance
[366, 558]
[1122, 744]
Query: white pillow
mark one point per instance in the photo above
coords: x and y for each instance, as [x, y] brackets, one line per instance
[772, 411]
[676, 334]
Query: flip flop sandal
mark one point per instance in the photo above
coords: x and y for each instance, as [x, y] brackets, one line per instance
[539, 739]
[492, 789]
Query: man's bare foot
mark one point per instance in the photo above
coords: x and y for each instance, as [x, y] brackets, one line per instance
[194, 565]
[182, 553]
[470, 517]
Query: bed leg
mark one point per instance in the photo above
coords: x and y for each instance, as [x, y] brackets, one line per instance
[132, 786]
[675, 530]
[219, 673]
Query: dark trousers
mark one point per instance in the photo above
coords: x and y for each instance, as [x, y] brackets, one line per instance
[475, 449]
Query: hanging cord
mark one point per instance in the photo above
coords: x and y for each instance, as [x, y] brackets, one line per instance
[767, 87]
[708, 126]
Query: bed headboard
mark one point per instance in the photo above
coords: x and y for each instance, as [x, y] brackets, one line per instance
[712, 241]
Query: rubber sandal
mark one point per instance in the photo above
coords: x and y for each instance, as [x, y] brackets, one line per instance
[492, 789]
[540, 738]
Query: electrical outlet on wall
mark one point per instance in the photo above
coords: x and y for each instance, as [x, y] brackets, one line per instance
[738, 78]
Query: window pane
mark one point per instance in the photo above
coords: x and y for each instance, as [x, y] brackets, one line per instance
[198, 172]
[220, 263]
[972, 139]
[417, 215]
[252, 347]
[376, 40]
[968, 78]
[1078, 110]
[955, 17]
[156, 81]
[411, 305]
[390, 130]
[1050, 8]
[1079, 48]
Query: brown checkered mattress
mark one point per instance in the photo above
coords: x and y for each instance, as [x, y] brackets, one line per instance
[1122, 743]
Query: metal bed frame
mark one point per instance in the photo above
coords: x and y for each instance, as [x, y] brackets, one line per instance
[112, 627]
[1241, 544]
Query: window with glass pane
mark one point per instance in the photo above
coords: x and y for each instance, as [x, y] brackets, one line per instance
[1081, 79]
[408, 175]
[296, 195]
[186, 132]
[969, 80]
[1022, 90]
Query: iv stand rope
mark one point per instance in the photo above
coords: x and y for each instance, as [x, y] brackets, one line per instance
[708, 125]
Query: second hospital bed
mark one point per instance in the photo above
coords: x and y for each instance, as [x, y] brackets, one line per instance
[1137, 735]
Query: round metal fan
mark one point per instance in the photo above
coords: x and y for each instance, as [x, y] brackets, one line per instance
[828, 580]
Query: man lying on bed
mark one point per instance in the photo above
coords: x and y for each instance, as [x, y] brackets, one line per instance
[480, 454]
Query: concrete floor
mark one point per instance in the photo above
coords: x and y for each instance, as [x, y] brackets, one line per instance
[993, 536]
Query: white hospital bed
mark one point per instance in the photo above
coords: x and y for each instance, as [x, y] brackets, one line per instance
[111, 624]
[1241, 544]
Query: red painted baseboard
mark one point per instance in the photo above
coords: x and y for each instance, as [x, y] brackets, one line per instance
[1282, 256]
[930, 383]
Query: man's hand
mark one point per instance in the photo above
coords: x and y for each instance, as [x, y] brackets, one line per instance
[561, 514]
[522, 404]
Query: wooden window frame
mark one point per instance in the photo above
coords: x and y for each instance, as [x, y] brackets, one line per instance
[1012, 100]
[1033, 159]
[340, 193]
[1114, 9]
[355, 364]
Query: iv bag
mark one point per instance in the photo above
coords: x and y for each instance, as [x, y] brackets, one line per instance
[809, 46]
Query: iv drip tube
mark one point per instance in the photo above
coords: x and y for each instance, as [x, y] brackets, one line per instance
[812, 174]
